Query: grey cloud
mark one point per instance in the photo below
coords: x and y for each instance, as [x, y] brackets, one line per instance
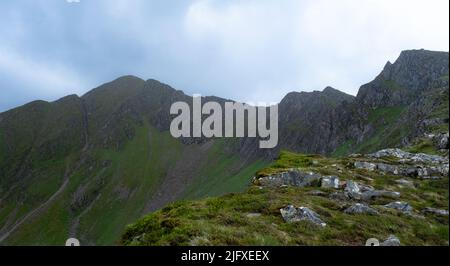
[245, 50]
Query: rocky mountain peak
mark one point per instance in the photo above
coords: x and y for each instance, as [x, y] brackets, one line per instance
[416, 69]
[329, 95]
[400, 83]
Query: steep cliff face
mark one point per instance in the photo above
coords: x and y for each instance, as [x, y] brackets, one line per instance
[313, 121]
[400, 83]
[406, 100]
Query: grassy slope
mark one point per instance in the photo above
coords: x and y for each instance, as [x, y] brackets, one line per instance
[230, 219]
[116, 195]
[217, 179]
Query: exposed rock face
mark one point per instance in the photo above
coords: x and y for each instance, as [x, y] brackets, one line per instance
[420, 165]
[407, 157]
[291, 214]
[298, 178]
[359, 208]
[313, 122]
[399, 82]
[293, 177]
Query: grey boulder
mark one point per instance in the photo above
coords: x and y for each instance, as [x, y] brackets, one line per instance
[374, 194]
[352, 187]
[291, 214]
[365, 165]
[392, 240]
[330, 182]
[359, 208]
[401, 206]
[293, 177]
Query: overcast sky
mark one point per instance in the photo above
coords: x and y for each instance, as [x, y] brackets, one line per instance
[253, 51]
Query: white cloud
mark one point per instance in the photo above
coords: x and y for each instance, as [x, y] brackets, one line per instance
[50, 78]
[318, 42]
[253, 50]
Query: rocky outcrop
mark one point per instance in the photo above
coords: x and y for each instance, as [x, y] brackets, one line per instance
[408, 157]
[414, 70]
[401, 206]
[420, 165]
[293, 177]
[291, 214]
[298, 178]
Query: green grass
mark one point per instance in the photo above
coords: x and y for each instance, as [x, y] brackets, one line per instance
[116, 186]
[385, 114]
[228, 220]
[344, 149]
[423, 146]
[225, 221]
[387, 134]
[442, 109]
[286, 160]
[138, 169]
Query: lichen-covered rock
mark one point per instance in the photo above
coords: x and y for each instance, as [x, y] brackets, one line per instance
[359, 208]
[291, 214]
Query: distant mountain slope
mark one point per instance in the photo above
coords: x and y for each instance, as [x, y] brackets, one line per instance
[110, 157]
[87, 166]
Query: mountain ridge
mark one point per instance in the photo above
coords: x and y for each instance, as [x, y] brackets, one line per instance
[112, 147]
